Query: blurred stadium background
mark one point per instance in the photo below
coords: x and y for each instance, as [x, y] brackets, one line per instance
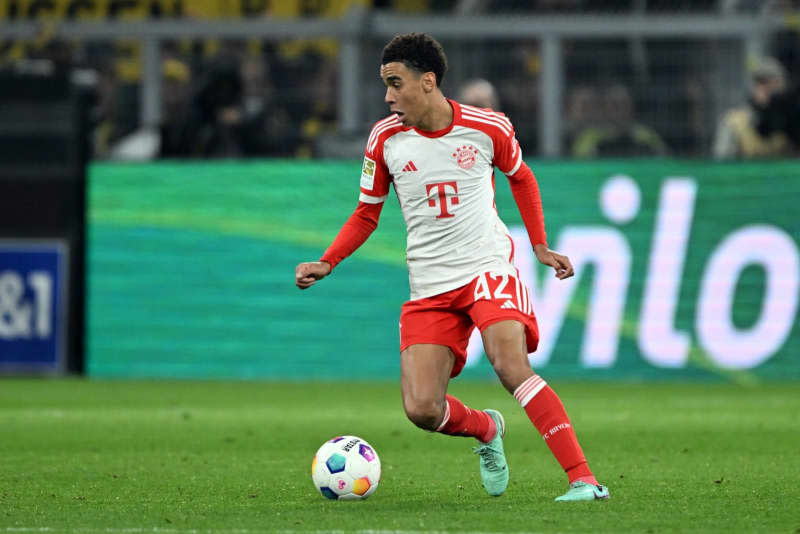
[164, 164]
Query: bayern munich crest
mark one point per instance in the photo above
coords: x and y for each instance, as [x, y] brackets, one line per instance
[466, 156]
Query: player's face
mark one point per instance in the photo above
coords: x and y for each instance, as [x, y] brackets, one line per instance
[405, 92]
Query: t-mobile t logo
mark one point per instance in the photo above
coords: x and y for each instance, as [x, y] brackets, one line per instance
[441, 194]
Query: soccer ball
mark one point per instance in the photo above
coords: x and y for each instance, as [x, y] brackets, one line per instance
[346, 467]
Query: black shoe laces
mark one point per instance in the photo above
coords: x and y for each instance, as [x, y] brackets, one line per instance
[487, 454]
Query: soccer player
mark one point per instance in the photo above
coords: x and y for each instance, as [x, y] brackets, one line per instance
[440, 158]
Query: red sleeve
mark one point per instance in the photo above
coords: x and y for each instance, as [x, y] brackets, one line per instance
[354, 232]
[374, 188]
[526, 194]
[507, 152]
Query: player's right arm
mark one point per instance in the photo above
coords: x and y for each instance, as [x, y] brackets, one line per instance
[374, 186]
[306, 274]
[353, 234]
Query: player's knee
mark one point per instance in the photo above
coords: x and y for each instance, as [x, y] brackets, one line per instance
[501, 338]
[507, 356]
[426, 414]
[509, 360]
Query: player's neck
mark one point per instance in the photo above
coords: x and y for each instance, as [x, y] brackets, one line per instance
[438, 117]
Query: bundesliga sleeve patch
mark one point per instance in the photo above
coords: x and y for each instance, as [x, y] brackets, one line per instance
[368, 174]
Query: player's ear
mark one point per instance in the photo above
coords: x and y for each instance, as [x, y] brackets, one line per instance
[428, 81]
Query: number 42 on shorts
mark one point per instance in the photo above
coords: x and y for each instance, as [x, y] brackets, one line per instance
[503, 287]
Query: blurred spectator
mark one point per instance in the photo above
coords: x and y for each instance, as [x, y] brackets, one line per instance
[617, 133]
[218, 110]
[103, 115]
[177, 135]
[480, 93]
[553, 6]
[306, 80]
[267, 128]
[680, 6]
[786, 44]
[781, 117]
[127, 81]
[252, 102]
[583, 110]
[693, 103]
[519, 89]
[548, 6]
[115, 114]
[321, 90]
[738, 135]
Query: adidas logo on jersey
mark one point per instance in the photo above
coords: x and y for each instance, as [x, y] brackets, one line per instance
[410, 167]
[507, 305]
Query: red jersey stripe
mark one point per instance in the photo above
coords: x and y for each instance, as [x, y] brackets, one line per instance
[486, 120]
[492, 114]
[378, 125]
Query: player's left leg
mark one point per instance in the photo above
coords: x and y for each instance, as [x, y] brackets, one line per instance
[506, 345]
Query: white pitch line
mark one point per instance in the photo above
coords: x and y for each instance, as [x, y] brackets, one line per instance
[161, 530]
[133, 530]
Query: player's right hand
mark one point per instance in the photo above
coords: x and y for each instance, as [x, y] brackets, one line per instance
[307, 274]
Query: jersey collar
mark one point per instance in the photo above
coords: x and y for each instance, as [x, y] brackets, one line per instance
[446, 130]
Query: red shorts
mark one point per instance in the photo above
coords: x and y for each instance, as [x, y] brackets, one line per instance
[448, 319]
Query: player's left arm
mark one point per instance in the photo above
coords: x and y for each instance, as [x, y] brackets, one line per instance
[525, 188]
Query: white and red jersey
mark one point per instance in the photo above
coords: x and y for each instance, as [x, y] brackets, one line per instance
[444, 181]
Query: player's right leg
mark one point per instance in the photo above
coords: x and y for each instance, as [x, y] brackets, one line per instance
[425, 373]
[433, 342]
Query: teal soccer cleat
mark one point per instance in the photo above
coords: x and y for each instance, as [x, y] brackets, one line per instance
[582, 491]
[494, 469]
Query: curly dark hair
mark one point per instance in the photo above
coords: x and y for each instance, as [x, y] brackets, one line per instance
[418, 51]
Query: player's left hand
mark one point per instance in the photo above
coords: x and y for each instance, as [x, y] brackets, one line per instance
[557, 261]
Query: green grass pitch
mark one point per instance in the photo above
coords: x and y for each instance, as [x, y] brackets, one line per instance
[181, 457]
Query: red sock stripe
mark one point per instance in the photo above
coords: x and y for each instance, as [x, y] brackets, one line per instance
[460, 420]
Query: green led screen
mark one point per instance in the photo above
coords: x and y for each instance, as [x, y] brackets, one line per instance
[684, 270]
